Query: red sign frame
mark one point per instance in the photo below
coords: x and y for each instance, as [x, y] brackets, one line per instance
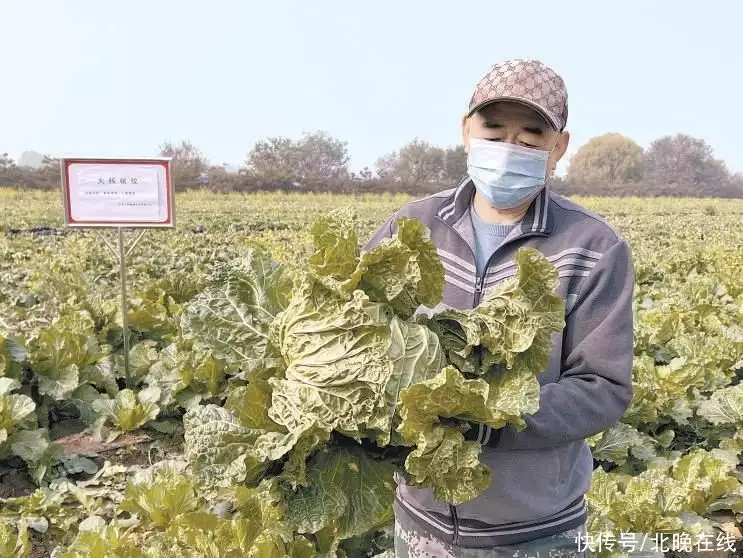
[169, 221]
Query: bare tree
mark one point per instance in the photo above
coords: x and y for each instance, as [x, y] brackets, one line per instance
[10, 173]
[418, 163]
[317, 161]
[455, 163]
[187, 164]
[685, 160]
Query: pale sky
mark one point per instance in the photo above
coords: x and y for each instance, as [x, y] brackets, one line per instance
[84, 77]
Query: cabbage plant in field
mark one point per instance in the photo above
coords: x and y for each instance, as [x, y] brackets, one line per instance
[304, 389]
[674, 460]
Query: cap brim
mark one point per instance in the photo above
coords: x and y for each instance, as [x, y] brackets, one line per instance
[550, 121]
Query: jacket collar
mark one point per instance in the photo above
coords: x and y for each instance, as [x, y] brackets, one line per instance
[539, 218]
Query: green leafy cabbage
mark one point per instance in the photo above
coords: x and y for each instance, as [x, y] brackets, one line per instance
[339, 384]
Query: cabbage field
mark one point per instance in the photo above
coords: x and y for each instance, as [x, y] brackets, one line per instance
[280, 379]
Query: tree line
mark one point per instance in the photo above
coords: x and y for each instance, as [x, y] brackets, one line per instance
[610, 164]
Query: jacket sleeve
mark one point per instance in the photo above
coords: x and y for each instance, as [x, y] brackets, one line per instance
[595, 384]
[387, 230]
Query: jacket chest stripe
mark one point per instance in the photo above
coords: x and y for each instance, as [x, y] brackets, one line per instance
[448, 211]
[575, 273]
[466, 281]
[465, 270]
[579, 256]
[577, 253]
[468, 287]
[470, 277]
[457, 260]
[572, 262]
[575, 261]
[567, 268]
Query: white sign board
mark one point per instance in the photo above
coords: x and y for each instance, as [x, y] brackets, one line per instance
[117, 192]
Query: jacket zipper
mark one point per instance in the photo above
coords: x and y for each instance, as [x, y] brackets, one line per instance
[478, 287]
[455, 231]
[455, 519]
[479, 284]
[480, 281]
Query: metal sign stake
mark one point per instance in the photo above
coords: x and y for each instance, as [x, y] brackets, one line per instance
[124, 308]
[121, 255]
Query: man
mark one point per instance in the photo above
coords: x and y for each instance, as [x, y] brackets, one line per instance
[514, 135]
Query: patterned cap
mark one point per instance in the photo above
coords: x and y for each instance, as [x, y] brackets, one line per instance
[526, 81]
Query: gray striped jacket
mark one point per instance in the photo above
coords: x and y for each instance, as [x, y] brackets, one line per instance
[541, 474]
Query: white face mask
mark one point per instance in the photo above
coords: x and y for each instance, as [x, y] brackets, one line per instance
[506, 174]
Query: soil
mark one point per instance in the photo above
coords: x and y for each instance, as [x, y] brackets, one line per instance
[41, 546]
[85, 444]
[135, 448]
[38, 230]
[15, 483]
[66, 428]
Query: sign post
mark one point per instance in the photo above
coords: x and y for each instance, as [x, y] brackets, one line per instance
[117, 192]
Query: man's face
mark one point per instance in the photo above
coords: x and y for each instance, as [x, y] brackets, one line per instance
[517, 124]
